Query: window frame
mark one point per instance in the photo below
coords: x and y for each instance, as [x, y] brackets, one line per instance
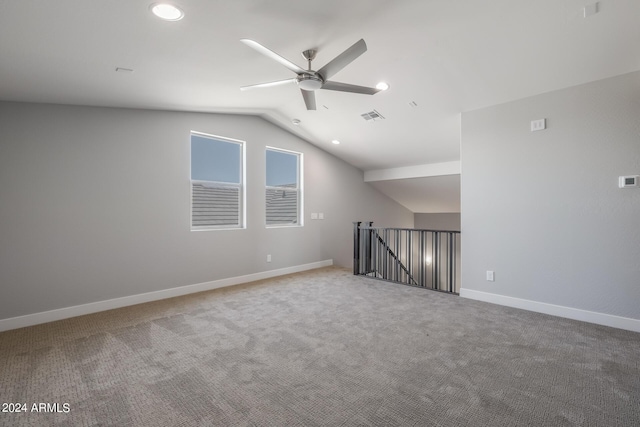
[299, 188]
[242, 202]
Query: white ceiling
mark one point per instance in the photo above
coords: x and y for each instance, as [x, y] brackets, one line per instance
[446, 56]
[435, 194]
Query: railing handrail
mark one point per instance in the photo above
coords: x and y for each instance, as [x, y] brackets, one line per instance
[409, 229]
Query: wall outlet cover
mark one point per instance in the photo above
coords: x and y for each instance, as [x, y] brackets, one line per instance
[589, 10]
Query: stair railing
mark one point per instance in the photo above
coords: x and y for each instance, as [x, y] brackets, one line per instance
[423, 258]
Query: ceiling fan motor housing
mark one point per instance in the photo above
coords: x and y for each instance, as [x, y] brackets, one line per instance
[309, 82]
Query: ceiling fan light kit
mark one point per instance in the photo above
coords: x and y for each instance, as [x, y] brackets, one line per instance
[310, 80]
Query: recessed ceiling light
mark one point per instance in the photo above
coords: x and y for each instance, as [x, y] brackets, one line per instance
[295, 121]
[382, 86]
[167, 11]
[335, 141]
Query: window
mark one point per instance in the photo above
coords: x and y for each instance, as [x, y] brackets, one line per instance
[284, 187]
[217, 182]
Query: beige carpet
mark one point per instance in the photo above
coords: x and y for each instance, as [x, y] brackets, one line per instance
[321, 348]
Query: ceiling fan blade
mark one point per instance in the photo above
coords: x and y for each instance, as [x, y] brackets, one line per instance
[271, 54]
[345, 87]
[309, 99]
[342, 60]
[268, 84]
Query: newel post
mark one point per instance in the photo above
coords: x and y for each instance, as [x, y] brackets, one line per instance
[356, 247]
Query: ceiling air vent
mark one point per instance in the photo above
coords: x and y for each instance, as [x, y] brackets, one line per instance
[372, 116]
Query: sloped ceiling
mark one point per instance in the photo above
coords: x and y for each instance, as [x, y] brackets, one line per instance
[435, 194]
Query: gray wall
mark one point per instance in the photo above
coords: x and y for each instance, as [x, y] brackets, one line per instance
[95, 204]
[543, 208]
[437, 221]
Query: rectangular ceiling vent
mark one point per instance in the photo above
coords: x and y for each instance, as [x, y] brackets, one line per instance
[372, 116]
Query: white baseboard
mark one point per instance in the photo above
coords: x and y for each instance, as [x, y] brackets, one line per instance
[555, 310]
[94, 307]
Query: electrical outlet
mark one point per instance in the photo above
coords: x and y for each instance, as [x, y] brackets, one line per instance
[269, 258]
[491, 276]
[589, 10]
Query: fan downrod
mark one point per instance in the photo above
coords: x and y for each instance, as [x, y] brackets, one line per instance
[309, 55]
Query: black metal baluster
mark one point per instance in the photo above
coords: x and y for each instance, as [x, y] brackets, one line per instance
[431, 266]
[436, 263]
[450, 262]
[356, 247]
[455, 262]
[410, 272]
[400, 255]
[420, 259]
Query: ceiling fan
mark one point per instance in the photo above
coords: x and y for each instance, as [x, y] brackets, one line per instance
[310, 80]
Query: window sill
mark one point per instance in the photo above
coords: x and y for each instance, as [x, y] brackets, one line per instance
[219, 229]
[285, 226]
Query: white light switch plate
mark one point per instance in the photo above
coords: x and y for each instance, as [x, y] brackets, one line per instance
[540, 124]
[491, 276]
[320, 215]
[314, 216]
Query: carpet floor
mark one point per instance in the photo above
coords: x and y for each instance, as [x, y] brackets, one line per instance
[320, 348]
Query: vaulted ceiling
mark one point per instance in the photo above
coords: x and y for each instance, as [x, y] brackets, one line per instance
[440, 58]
